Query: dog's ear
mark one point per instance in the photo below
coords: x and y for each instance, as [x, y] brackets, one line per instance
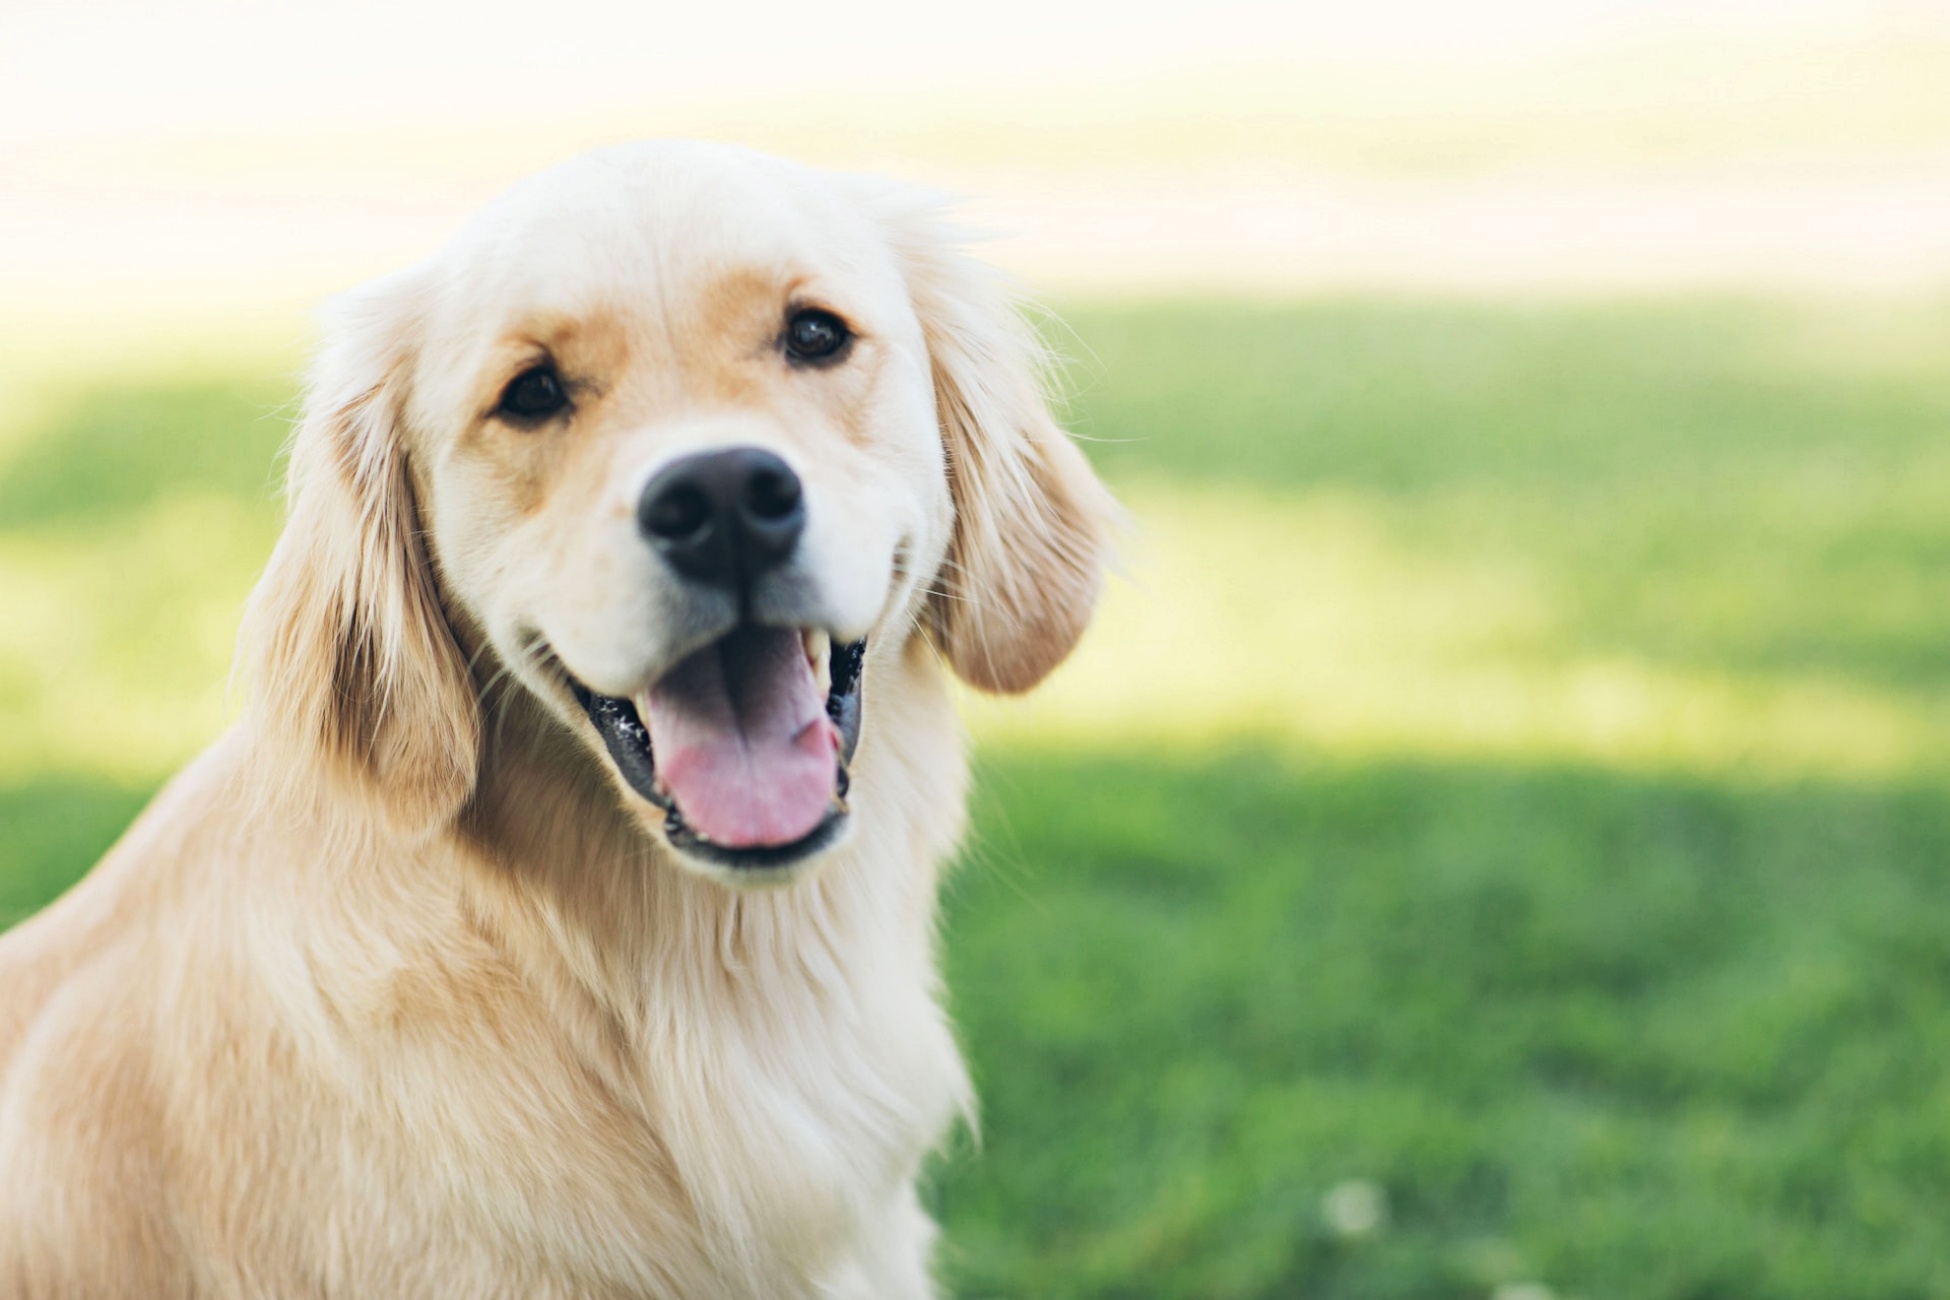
[1031, 518]
[351, 663]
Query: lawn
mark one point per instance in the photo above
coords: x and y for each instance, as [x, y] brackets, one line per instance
[1498, 835]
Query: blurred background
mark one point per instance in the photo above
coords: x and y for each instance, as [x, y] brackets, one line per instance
[1495, 843]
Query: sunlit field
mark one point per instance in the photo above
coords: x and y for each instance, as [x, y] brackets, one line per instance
[1496, 834]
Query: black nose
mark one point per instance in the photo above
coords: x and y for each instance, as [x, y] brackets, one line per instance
[724, 517]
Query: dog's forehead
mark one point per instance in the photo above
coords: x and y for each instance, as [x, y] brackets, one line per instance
[652, 227]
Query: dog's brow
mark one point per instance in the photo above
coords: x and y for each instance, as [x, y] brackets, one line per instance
[593, 342]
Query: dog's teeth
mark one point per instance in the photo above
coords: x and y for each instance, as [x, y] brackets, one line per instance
[819, 652]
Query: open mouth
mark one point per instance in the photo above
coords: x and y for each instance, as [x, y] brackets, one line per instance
[744, 744]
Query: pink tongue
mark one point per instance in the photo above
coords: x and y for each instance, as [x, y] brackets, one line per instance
[742, 741]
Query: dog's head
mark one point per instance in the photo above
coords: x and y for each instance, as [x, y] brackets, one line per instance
[684, 439]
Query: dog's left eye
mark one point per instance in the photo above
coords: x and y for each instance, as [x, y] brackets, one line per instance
[815, 335]
[534, 394]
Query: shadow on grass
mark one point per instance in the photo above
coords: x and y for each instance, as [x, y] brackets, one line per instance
[51, 831]
[1628, 1037]
[1757, 487]
[114, 450]
[1407, 396]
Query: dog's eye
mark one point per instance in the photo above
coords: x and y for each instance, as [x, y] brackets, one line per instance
[815, 335]
[534, 394]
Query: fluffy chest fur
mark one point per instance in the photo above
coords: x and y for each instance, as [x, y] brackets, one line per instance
[729, 1138]
[687, 1091]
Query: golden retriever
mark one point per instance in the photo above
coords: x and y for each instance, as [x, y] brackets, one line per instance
[558, 920]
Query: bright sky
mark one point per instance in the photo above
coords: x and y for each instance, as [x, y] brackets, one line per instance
[109, 65]
[159, 157]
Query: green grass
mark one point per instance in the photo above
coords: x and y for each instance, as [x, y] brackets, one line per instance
[1750, 485]
[54, 829]
[1636, 1038]
[1519, 780]
[117, 451]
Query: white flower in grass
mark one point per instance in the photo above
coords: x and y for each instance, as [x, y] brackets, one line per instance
[1355, 1208]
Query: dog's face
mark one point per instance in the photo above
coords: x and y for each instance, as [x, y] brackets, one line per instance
[685, 439]
[675, 428]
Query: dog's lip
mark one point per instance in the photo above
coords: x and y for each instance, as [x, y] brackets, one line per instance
[627, 741]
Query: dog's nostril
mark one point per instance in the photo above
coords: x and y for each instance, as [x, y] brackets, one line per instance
[679, 512]
[772, 495]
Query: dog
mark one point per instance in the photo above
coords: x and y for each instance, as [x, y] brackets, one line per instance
[558, 918]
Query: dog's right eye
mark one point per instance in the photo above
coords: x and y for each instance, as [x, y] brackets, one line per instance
[534, 394]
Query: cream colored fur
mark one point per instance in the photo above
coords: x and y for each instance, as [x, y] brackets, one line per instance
[397, 991]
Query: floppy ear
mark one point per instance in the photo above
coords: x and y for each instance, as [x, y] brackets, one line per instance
[1031, 518]
[352, 664]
